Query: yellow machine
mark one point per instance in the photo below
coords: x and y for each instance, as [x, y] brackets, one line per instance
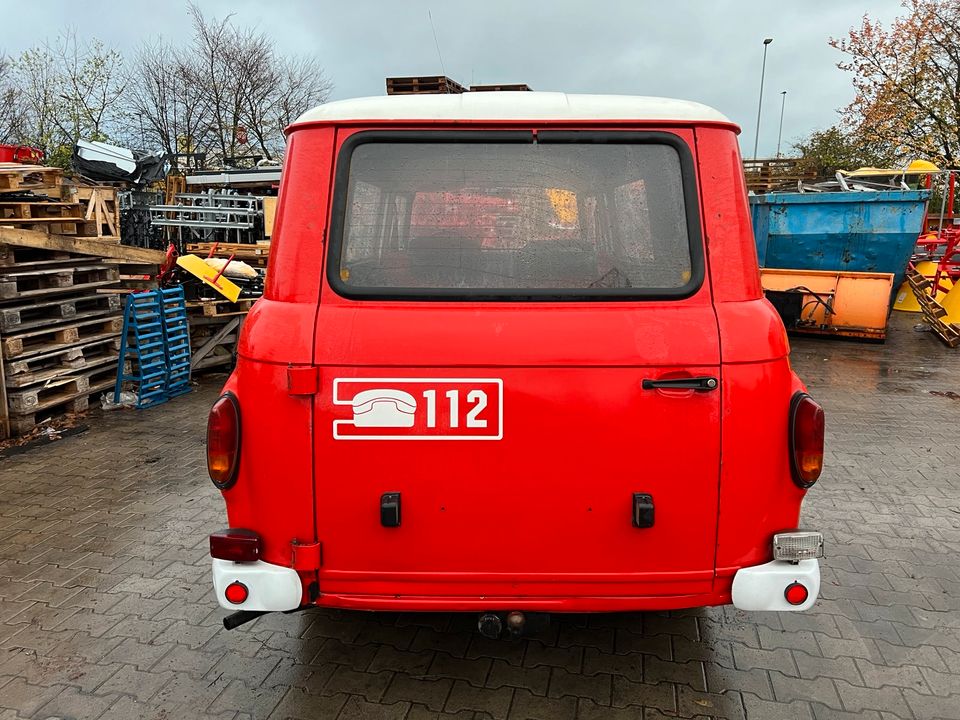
[830, 302]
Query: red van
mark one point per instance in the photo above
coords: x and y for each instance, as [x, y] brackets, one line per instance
[513, 356]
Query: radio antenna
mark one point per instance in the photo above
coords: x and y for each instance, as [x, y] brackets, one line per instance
[435, 42]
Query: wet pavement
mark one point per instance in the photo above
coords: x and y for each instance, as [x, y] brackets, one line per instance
[106, 609]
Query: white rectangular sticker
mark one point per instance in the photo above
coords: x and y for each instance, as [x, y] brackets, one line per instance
[419, 408]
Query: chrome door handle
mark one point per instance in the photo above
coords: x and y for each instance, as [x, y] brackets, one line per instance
[700, 384]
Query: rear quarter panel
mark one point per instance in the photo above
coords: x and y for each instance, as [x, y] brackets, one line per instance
[757, 495]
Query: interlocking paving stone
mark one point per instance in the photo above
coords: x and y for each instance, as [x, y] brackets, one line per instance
[106, 609]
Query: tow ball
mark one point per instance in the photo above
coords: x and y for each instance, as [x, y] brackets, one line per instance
[516, 623]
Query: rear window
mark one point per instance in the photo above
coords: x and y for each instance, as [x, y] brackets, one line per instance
[500, 215]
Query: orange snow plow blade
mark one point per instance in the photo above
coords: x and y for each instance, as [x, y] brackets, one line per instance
[828, 302]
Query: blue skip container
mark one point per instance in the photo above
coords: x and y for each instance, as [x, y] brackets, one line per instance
[855, 231]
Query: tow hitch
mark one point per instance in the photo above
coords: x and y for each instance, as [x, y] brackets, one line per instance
[491, 625]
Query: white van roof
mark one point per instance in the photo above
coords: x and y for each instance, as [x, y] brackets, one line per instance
[512, 105]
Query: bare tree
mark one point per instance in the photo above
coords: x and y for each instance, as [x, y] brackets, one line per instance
[229, 93]
[302, 84]
[165, 101]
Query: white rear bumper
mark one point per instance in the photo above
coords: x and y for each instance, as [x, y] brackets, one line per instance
[762, 587]
[271, 587]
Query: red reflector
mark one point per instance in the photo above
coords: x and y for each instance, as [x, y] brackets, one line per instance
[806, 439]
[236, 544]
[796, 594]
[236, 592]
[223, 441]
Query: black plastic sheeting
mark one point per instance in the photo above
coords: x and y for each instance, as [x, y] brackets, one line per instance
[149, 168]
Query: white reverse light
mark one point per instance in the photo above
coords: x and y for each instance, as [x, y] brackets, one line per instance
[797, 546]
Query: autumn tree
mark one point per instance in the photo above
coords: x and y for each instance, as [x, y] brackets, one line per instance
[907, 81]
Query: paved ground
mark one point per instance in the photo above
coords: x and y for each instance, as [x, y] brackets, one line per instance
[106, 608]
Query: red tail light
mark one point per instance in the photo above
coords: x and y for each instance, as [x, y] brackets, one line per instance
[235, 544]
[806, 439]
[223, 441]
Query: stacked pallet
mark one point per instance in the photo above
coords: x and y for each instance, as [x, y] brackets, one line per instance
[255, 254]
[215, 333]
[59, 336]
[431, 85]
[34, 197]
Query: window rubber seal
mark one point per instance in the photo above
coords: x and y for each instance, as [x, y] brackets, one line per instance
[688, 180]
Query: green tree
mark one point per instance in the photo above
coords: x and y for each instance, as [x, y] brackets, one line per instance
[826, 151]
[67, 91]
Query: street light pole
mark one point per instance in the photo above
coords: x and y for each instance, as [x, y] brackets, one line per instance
[763, 71]
[783, 102]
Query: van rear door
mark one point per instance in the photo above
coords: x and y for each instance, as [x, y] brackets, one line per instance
[515, 340]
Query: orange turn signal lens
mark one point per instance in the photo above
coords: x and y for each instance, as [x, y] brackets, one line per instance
[806, 439]
[223, 441]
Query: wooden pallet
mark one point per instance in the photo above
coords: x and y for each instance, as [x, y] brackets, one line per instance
[12, 255]
[58, 337]
[16, 318]
[251, 253]
[431, 84]
[36, 282]
[220, 308]
[46, 394]
[765, 174]
[21, 423]
[25, 212]
[103, 377]
[68, 393]
[78, 228]
[503, 87]
[133, 277]
[20, 372]
[15, 177]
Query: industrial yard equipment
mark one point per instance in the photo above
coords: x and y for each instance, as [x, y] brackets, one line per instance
[828, 302]
[873, 232]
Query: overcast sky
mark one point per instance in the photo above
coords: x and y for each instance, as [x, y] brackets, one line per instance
[705, 51]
